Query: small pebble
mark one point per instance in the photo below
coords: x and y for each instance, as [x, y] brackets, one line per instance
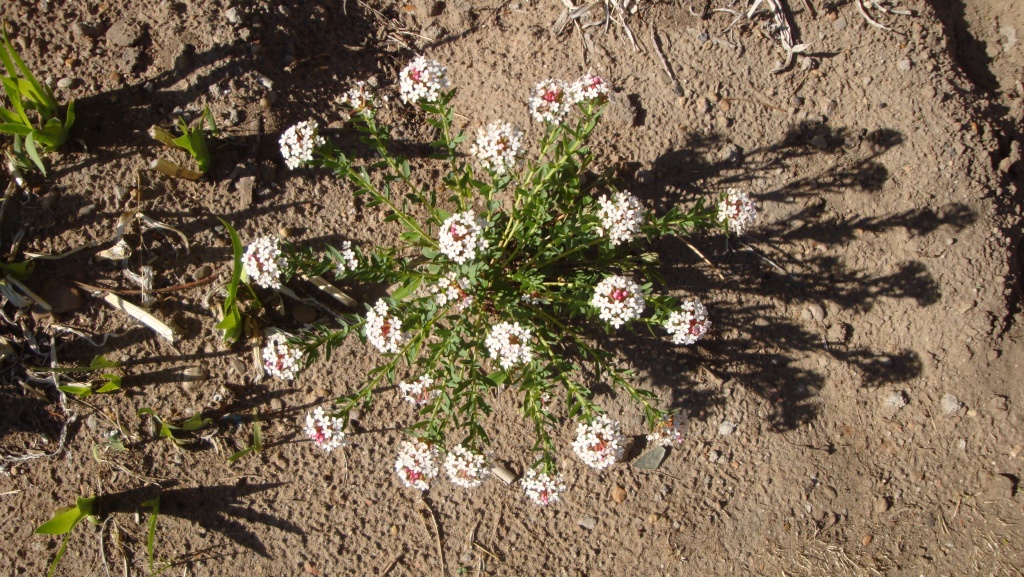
[866, 540]
[202, 272]
[588, 523]
[65, 82]
[904, 65]
[726, 428]
[881, 505]
[839, 23]
[619, 494]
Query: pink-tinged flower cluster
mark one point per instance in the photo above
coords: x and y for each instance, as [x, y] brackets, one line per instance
[383, 330]
[416, 464]
[621, 217]
[299, 142]
[549, 102]
[466, 468]
[499, 147]
[325, 430]
[281, 359]
[589, 88]
[450, 290]
[509, 344]
[670, 431]
[348, 261]
[737, 211]
[359, 99]
[263, 261]
[542, 488]
[618, 300]
[461, 237]
[600, 443]
[422, 81]
[687, 325]
[419, 392]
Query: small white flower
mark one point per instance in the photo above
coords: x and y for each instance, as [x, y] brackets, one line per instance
[687, 325]
[737, 210]
[263, 262]
[325, 430]
[466, 468]
[416, 464]
[549, 102]
[600, 443]
[452, 290]
[348, 261]
[509, 345]
[534, 298]
[419, 392]
[499, 146]
[461, 237]
[669, 431]
[422, 80]
[618, 300]
[359, 99]
[299, 142]
[280, 358]
[621, 217]
[542, 488]
[383, 331]
[589, 88]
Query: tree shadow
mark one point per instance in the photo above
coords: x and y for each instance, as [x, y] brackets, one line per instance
[757, 341]
[218, 508]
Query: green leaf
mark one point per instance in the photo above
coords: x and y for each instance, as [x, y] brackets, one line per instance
[154, 507]
[195, 422]
[77, 390]
[65, 519]
[101, 362]
[407, 289]
[239, 454]
[112, 383]
[30, 147]
[12, 128]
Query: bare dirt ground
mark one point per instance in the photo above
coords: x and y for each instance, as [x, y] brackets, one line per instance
[857, 411]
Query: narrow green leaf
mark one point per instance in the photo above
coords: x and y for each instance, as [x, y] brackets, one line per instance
[30, 147]
[154, 506]
[77, 390]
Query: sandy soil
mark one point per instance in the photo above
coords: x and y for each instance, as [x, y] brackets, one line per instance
[857, 411]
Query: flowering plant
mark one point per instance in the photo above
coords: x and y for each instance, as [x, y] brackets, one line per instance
[501, 280]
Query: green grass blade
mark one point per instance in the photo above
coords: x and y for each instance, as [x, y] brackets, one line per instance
[30, 147]
[154, 505]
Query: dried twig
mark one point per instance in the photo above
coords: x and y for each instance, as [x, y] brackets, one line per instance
[656, 42]
[704, 258]
[437, 531]
[120, 291]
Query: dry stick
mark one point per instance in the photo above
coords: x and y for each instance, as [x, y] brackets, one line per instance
[437, 533]
[704, 258]
[810, 8]
[119, 291]
[762, 257]
[392, 565]
[664, 62]
[103, 552]
[864, 12]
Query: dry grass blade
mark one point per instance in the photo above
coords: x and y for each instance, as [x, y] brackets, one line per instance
[437, 531]
[777, 11]
[332, 290]
[27, 292]
[141, 315]
[664, 62]
[174, 171]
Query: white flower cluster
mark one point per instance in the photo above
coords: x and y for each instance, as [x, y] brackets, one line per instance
[263, 262]
[499, 146]
[348, 262]
[325, 430]
[621, 217]
[542, 488]
[737, 210]
[419, 392]
[600, 443]
[618, 299]
[417, 464]
[509, 344]
[461, 236]
[549, 102]
[589, 87]
[383, 331]
[298, 143]
[689, 323]
[280, 358]
[466, 468]
[359, 99]
[669, 432]
[422, 80]
[452, 290]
